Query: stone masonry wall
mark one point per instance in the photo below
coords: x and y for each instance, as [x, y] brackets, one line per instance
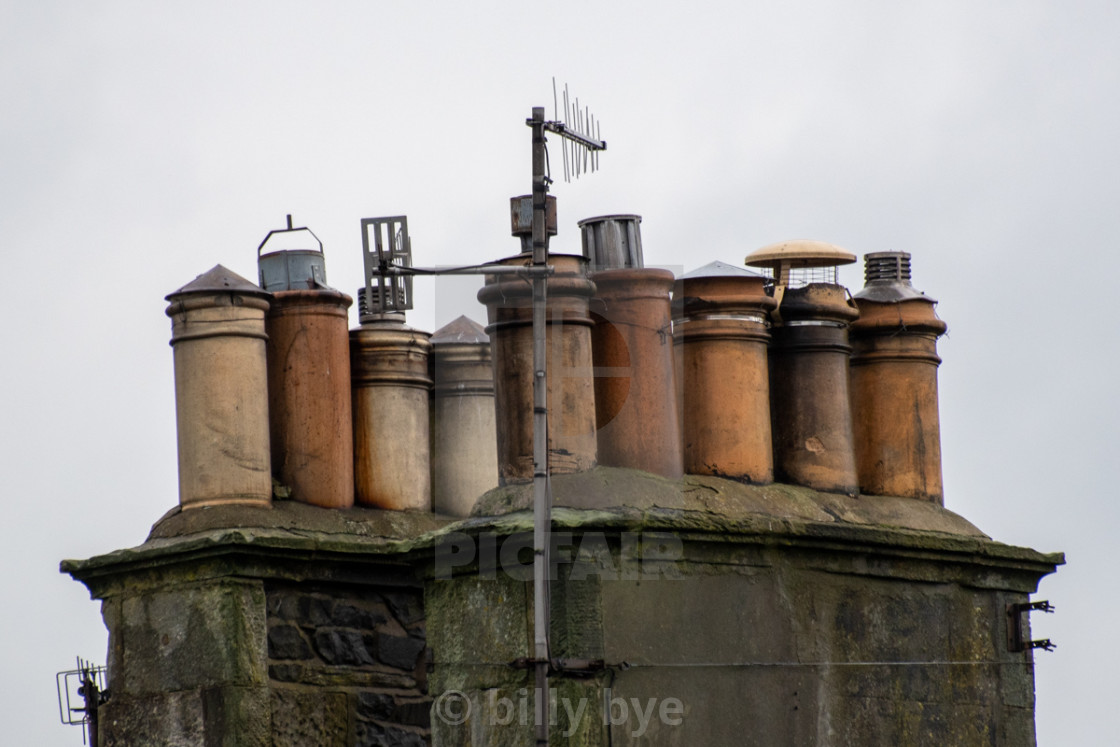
[347, 666]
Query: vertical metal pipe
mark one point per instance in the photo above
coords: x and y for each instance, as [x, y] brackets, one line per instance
[542, 510]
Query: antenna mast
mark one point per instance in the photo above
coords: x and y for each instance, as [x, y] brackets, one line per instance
[583, 150]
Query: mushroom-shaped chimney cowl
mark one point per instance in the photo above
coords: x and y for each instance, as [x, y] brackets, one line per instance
[803, 255]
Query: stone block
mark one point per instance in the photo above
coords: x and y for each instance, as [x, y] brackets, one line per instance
[342, 647]
[287, 642]
[309, 717]
[401, 652]
[208, 635]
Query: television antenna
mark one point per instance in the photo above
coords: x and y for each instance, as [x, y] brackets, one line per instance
[583, 149]
[388, 259]
[80, 692]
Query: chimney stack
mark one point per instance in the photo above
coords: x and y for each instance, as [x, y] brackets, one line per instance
[720, 331]
[810, 407]
[464, 445]
[221, 390]
[308, 376]
[894, 383]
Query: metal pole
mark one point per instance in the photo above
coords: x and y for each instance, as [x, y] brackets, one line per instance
[542, 511]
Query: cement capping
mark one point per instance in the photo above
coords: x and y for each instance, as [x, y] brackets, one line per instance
[698, 508]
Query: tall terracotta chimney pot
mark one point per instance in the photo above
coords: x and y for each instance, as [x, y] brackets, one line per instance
[720, 333]
[571, 394]
[635, 383]
[221, 390]
[810, 404]
[392, 437]
[309, 396]
[894, 383]
[464, 440]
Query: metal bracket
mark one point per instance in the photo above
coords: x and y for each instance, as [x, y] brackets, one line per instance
[1015, 641]
[578, 667]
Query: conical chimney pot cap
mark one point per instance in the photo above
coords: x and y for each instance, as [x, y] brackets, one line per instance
[719, 269]
[219, 279]
[462, 330]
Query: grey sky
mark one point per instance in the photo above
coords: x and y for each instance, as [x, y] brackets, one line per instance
[142, 143]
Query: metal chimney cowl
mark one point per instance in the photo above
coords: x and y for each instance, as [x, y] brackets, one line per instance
[612, 241]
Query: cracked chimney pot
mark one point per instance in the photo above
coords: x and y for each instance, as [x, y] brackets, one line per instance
[894, 383]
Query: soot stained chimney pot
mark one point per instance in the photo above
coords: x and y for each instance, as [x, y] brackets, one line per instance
[810, 406]
[894, 383]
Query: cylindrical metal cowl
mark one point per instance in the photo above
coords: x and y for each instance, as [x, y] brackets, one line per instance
[391, 384]
[635, 386]
[221, 390]
[571, 394]
[810, 407]
[612, 241]
[894, 388]
[464, 440]
[720, 332]
[309, 396]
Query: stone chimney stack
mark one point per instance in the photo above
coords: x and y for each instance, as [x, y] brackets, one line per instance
[308, 377]
[894, 383]
[720, 331]
[810, 407]
[221, 390]
[464, 442]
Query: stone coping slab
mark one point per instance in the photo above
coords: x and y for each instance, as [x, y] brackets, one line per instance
[697, 508]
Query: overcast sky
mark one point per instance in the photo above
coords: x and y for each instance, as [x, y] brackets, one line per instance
[142, 143]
